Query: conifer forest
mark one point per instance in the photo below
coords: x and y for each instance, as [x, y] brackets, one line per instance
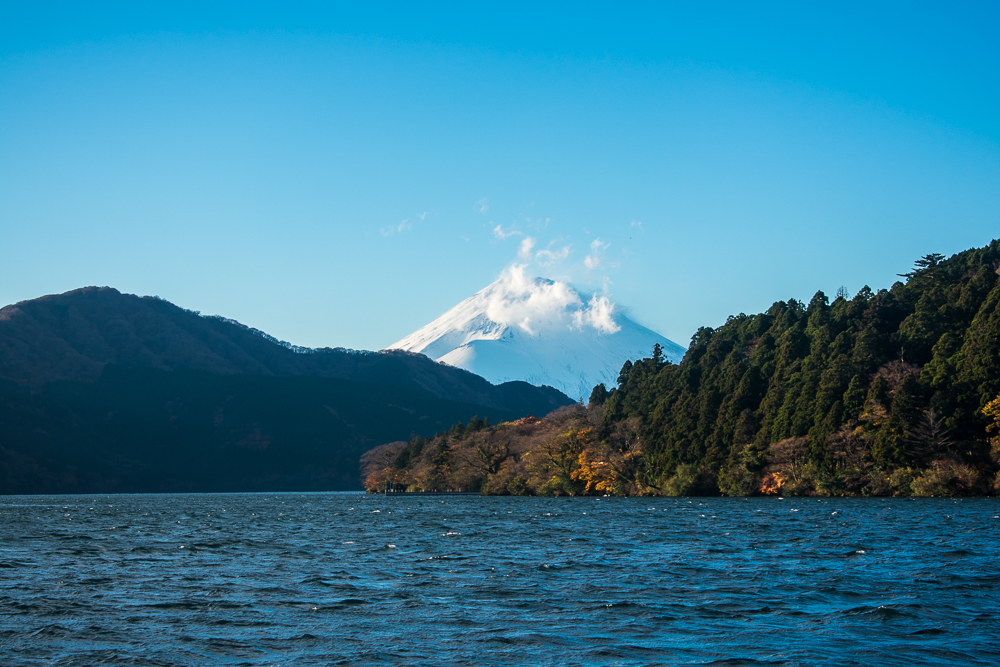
[894, 392]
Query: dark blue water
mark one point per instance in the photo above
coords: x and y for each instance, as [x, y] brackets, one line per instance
[257, 579]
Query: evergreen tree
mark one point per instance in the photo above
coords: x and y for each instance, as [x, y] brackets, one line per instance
[904, 413]
[599, 395]
[854, 398]
[657, 354]
[623, 375]
[924, 266]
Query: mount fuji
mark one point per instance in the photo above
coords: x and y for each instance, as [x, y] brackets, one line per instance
[540, 331]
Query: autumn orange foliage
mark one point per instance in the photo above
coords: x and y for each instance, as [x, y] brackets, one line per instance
[596, 471]
[772, 483]
[523, 421]
[379, 479]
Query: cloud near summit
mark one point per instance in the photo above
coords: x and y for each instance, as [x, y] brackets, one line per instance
[535, 305]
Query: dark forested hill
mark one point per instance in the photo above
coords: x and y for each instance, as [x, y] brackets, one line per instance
[881, 393]
[893, 392]
[103, 391]
[72, 336]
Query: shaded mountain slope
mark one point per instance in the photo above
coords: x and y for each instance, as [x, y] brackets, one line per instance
[72, 336]
[108, 392]
[148, 430]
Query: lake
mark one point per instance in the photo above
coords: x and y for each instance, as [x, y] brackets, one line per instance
[355, 579]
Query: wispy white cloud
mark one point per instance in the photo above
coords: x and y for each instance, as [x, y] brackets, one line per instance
[596, 256]
[504, 234]
[482, 205]
[599, 313]
[552, 255]
[527, 245]
[635, 223]
[537, 223]
[557, 258]
[397, 229]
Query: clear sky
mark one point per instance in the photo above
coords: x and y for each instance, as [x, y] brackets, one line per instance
[340, 177]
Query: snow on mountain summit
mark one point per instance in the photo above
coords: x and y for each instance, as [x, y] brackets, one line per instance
[541, 331]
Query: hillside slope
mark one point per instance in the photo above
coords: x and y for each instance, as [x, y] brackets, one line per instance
[882, 393]
[108, 392]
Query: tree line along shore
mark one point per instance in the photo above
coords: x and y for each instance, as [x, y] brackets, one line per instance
[894, 392]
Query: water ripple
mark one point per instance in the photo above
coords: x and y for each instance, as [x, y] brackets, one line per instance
[319, 579]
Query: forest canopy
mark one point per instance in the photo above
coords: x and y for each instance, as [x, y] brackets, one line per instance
[888, 392]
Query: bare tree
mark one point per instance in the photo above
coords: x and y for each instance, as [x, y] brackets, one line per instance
[930, 438]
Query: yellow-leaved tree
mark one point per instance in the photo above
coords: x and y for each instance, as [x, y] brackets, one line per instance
[553, 464]
[992, 412]
[596, 471]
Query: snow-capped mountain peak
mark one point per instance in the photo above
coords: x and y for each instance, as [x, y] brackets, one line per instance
[537, 330]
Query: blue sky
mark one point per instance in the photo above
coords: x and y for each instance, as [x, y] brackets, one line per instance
[343, 176]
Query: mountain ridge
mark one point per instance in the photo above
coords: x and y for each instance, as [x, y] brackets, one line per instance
[73, 335]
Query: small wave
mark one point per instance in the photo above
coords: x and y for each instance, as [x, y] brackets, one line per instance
[210, 545]
[348, 602]
[51, 630]
[319, 581]
[736, 662]
[620, 606]
[172, 605]
[882, 611]
[957, 553]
